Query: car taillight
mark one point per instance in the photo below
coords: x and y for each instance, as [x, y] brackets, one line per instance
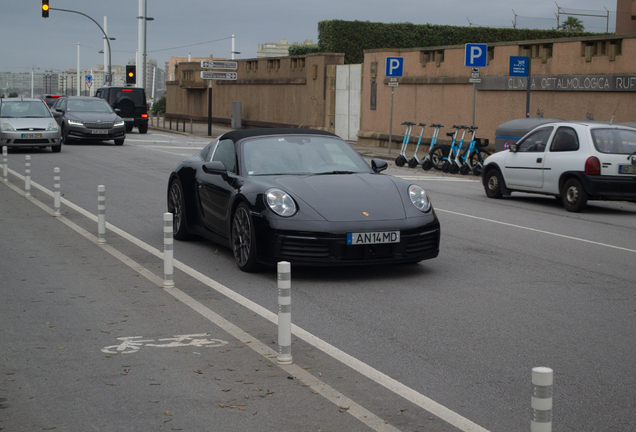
[144, 116]
[592, 166]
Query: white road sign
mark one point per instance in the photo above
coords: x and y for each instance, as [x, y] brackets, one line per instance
[215, 64]
[218, 75]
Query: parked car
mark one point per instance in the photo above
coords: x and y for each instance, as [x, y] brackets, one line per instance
[573, 161]
[131, 102]
[303, 196]
[49, 99]
[28, 123]
[88, 118]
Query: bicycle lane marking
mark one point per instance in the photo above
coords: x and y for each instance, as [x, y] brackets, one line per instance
[322, 388]
[332, 395]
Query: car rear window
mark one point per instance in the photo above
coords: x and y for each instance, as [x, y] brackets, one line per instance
[614, 141]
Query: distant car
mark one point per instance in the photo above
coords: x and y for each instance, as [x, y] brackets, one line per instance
[50, 99]
[303, 196]
[28, 123]
[132, 104]
[573, 161]
[83, 118]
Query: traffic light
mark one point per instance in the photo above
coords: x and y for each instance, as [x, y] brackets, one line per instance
[45, 8]
[131, 75]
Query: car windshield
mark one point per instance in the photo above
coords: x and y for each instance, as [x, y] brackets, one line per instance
[300, 154]
[24, 109]
[98, 105]
[614, 141]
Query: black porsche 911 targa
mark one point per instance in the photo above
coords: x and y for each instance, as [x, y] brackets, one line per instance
[303, 196]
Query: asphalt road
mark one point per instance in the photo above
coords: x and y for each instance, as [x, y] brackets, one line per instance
[519, 283]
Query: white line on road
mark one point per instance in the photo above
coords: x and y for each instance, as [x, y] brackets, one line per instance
[437, 178]
[386, 381]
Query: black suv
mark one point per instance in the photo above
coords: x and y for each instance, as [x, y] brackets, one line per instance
[132, 103]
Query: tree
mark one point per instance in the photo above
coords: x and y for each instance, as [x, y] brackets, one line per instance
[159, 107]
[572, 24]
[13, 94]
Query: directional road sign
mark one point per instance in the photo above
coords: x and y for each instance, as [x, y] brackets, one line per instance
[394, 66]
[476, 55]
[215, 64]
[218, 75]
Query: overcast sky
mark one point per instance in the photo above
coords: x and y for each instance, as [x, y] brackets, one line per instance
[204, 27]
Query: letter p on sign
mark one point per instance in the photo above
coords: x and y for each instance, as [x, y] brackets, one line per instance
[476, 55]
[394, 66]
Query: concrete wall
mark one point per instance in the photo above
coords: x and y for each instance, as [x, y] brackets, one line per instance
[280, 91]
[572, 78]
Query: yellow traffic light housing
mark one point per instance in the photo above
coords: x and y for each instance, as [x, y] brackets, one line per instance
[45, 8]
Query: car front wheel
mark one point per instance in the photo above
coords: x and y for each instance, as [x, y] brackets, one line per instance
[493, 184]
[573, 195]
[243, 244]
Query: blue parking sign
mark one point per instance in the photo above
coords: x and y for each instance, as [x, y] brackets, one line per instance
[394, 66]
[476, 55]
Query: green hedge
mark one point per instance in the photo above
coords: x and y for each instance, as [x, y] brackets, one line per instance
[303, 49]
[353, 37]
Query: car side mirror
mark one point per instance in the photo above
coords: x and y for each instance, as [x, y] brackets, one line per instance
[513, 148]
[57, 113]
[378, 165]
[214, 167]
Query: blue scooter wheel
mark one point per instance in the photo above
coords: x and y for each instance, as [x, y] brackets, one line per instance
[464, 169]
[427, 164]
[413, 163]
[453, 168]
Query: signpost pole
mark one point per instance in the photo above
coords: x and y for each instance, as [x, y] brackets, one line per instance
[391, 120]
[210, 108]
[528, 87]
[474, 89]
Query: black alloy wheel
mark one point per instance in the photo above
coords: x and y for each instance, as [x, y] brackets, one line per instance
[243, 244]
[176, 206]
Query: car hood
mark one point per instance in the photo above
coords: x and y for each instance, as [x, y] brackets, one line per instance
[92, 116]
[28, 123]
[347, 197]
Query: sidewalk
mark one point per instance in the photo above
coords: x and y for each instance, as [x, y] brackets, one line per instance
[201, 130]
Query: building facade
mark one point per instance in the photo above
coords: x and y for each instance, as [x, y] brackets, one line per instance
[276, 49]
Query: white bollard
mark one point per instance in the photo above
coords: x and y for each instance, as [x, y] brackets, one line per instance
[56, 191]
[168, 250]
[542, 379]
[27, 176]
[284, 313]
[5, 167]
[101, 214]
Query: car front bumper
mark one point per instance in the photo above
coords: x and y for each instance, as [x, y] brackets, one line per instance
[84, 133]
[324, 243]
[29, 139]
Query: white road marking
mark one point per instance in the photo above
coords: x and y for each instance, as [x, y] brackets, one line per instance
[437, 178]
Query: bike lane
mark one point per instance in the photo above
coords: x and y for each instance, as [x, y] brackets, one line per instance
[92, 344]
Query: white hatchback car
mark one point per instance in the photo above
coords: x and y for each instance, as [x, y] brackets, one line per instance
[576, 161]
[28, 123]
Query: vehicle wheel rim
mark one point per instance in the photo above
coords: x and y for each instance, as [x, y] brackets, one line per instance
[175, 206]
[242, 236]
[572, 195]
[493, 183]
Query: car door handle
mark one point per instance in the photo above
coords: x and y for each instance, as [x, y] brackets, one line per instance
[539, 160]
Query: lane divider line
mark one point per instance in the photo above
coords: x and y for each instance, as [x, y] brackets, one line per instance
[386, 381]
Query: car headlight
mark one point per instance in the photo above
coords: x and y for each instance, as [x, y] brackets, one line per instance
[75, 123]
[121, 123]
[7, 127]
[419, 198]
[53, 127]
[280, 202]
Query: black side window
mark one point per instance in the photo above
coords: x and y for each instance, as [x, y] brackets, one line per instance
[62, 105]
[535, 142]
[225, 153]
[565, 139]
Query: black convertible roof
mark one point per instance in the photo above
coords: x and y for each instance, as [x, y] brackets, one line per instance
[238, 135]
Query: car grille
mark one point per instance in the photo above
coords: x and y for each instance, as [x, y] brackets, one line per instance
[31, 129]
[31, 141]
[336, 249]
[106, 125]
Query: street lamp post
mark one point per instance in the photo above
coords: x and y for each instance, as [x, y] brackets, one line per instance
[143, 15]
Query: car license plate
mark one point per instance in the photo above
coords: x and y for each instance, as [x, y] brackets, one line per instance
[99, 132]
[627, 169]
[373, 237]
[129, 119]
[31, 135]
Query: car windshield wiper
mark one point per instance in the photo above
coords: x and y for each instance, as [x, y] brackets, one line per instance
[631, 155]
[337, 172]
